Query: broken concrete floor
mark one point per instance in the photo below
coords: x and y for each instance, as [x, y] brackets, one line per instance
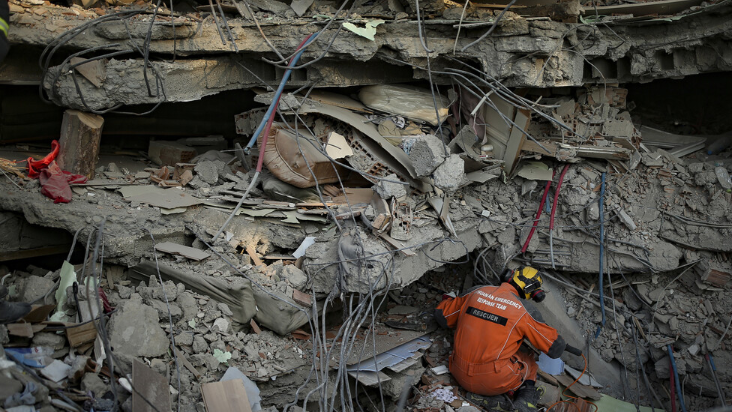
[305, 296]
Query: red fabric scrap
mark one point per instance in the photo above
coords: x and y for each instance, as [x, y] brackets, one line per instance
[105, 301]
[55, 183]
[35, 166]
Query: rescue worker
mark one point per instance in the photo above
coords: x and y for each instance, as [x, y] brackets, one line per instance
[492, 322]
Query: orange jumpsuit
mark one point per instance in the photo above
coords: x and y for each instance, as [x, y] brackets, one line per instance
[491, 323]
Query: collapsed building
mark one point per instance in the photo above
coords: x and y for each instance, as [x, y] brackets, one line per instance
[267, 199]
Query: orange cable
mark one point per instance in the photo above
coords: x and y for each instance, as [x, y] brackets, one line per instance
[573, 403]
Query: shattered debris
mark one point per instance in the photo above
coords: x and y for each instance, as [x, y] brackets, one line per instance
[282, 244]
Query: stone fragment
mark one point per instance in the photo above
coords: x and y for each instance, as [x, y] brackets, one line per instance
[36, 287]
[696, 167]
[224, 308]
[134, 331]
[626, 219]
[723, 177]
[294, 276]
[188, 304]
[207, 171]
[205, 359]
[427, 152]
[184, 338]
[387, 190]
[222, 325]
[124, 291]
[199, 344]
[175, 312]
[450, 173]
[92, 382]
[628, 357]
[51, 340]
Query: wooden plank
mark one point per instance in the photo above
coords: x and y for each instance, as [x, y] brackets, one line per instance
[23, 330]
[79, 335]
[227, 396]
[80, 136]
[583, 391]
[302, 298]
[150, 385]
[182, 357]
[253, 254]
[255, 327]
[39, 313]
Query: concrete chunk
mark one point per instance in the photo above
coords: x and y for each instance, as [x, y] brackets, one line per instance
[426, 154]
[135, 331]
[387, 190]
[450, 173]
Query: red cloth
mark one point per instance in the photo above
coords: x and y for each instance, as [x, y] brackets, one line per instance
[35, 166]
[55, 183]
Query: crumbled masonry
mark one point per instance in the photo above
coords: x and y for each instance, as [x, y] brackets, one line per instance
[264, 201]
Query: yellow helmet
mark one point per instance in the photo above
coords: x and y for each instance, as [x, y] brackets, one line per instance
[528, 281]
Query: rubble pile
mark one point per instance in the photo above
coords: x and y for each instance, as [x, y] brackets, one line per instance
[376, 158]
[289, 264]
[139, 327]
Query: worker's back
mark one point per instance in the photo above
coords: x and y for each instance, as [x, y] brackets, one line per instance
[486, 328]
[491, 323]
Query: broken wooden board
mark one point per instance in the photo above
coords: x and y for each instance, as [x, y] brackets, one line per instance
[253, 254]
[182, 357]
[185, 251]
[39, 313]
[227, 396]
[23, 330]
[150, 385]
[583, 391]
[79, 335]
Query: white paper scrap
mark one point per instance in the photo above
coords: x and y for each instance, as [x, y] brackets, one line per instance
[300, 252]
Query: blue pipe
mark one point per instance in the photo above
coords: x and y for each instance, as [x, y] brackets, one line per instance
[278, 93]
[602, 254]
[676, 378]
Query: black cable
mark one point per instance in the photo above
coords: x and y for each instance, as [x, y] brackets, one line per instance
[493, 26]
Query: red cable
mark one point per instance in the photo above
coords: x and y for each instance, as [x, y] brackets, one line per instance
[267, 128]
[538, 214]
[556, 196]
